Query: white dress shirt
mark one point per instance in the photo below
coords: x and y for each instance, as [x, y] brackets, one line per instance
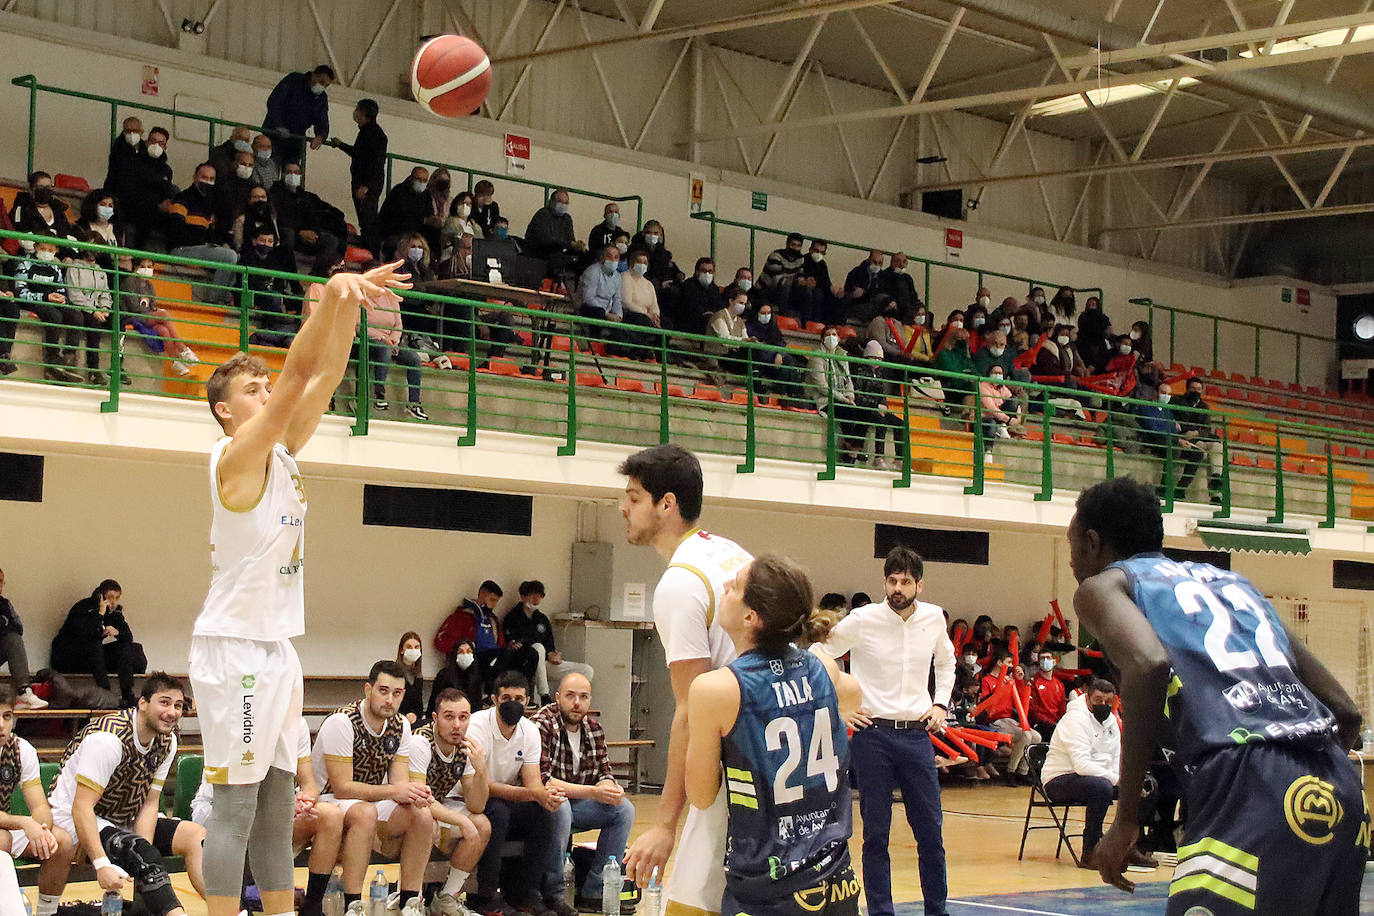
[1081, 744]
[891, 658]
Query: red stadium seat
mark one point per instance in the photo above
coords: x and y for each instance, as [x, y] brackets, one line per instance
[788, 323]
[629, 384]
[70, 182]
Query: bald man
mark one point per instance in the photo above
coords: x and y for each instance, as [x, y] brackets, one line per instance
[574, 760]
[225, 156]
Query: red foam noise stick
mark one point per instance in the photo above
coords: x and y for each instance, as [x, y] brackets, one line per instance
[1044, 635]
[1063, 624]
[958, 743]
[944, 749]
[1014, 644]
[973, 736]
[961, 635]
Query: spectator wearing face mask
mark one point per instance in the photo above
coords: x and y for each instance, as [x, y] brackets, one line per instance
[39, 211]
[550, 233]
[225, 156]
[886, 331]
[1001, 412]
[728, 329]
[100, 224]
[999, 679]
[915, 335]
[639, 306]
[526, 625]
[814, 297]
[1094, 328]
[976, 321]
[501, 230]
[871, 382]
[459, 671]
[1083, 765]
[88, 289]
[953, 322]
[954, 357]
[861, 283]
[366, 169]
[598, 290]
[781, 270]
[663, 272]
[1141, 341]
[1055, 362]
[232, 190]
[486, 211]
[1062, 307]
[775, 371]
[438, 202]
[896, 283]
[1197, 442]
[695, 299]
[142, 182]
[40, 287]
[405, 208]
[832, 392]
[603, 233]
[388, 343]
[138, 301]
[306, 222]
[1036, 304]
[298, 103]
[195, 231]
[1047, 696]
[125, 151]
[460, 220]
[744, 282]
[266, 170]
[276, 300]
[257, 215]
[410, 655]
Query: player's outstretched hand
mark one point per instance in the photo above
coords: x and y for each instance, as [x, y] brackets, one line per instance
[649, 852]
[378, 284]
[1111, 853]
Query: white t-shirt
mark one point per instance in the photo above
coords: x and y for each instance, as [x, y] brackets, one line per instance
[575, 746]
[257, 557]
[505, 756]
[335, 739]
[28, 765]
[688, 595]
[92, 765]
[421, 755]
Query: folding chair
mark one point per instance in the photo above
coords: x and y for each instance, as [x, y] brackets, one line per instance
[1035, 755]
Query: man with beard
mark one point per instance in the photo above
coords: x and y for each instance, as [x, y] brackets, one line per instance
[661, 505]
[575, 760]
[892, 647]
[363, 748]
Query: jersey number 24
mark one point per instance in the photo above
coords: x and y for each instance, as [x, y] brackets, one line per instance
[820, 756]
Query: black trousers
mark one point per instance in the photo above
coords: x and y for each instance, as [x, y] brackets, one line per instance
[366, 209]
[492, 662]
[97, 660]
[524, 821]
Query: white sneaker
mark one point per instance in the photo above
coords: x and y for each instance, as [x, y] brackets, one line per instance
[447, 905]
[27, 699]
[356, 908]
[189, 355]
[181, 368]
[987, 457]
[415, 906]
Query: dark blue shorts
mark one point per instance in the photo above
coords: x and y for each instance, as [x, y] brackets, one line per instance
[835, 895]
[1272, 829]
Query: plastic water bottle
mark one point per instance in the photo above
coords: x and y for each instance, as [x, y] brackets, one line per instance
[110, 905]
[1367, 739]
[611, 883]
[569, 876]
[333, 902]
[376, 895]
[653, 897]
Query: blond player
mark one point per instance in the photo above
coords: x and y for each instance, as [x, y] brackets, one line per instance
[661, 505]
[247, 678]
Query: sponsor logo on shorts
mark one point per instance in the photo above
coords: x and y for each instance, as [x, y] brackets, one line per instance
[1198, 911]
[247, 736]
[247, 758]
[1312, 809]
[248, 681]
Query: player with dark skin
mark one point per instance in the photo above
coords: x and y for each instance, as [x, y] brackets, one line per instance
[1105, 607]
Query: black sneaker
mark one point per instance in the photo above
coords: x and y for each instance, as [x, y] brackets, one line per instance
[7, 367]
[533, 906]
[379, 404]
[558, 907]
[415, 411]
[495, 905]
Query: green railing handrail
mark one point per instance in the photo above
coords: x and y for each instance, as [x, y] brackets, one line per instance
[754, 228]
[31, 83]
[756, 353]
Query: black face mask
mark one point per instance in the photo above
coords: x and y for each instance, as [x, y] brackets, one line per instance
[42, 194]
[511, 712]
[1101, 711]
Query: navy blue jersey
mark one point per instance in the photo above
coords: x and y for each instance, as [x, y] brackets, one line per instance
[1233, 681]
[786, 776]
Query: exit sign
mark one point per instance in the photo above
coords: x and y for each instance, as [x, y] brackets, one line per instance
[760, 200]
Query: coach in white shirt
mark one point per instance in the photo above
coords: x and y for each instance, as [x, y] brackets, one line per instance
[892, 647]
[1083, 765]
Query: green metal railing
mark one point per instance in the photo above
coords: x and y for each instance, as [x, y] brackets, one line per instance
[576, 379]
[982, 274]
[30, 83]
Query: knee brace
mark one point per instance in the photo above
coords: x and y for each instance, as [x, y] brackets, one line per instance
[269, 853]
[143, 862]
[226, 838]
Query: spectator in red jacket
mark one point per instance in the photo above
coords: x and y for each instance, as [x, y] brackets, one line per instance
[475, 621]
[1002, 677]
[1047, 697]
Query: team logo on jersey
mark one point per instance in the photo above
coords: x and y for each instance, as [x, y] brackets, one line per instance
[390, 744]
[1312, 809]
[1243, 696]
[8, 775]
[785, 830]
[775, 666]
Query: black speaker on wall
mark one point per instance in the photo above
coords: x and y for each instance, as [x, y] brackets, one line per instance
[21, 477]
[944, 204]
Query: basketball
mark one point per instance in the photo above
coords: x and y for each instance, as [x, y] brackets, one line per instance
[450, 76]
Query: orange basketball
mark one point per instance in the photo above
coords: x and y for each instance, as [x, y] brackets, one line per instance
[450, 76]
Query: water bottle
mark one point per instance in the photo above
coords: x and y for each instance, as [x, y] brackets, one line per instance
[653, 897]
[376, 895]
[111, 905]
[333, 902]
[569, 876]
[611, 883]
[1367, 739]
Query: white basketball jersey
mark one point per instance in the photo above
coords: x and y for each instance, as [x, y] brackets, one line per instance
[257, 557]
[713, 561]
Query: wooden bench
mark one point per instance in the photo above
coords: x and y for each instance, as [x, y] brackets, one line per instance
[633, 746]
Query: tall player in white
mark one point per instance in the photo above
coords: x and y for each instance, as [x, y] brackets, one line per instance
[244, 670]
[661, 505]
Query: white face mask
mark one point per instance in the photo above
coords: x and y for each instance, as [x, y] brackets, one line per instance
[155, 149]
[997, 351]
[244, 171]
[651, 239]
[622, 247]
[46, 255]
[1062, 340]
[464, 210]
[736, 308]
[900, 270]
[640, 269]
[970, 660]
[1135, 335]
[979, 321]
[243, 146]
[1164, 397]
[831, 341]
[1039, 300]
[957, 323]
[292, 179]
[765, 318]
[316, 88]
[104, 212]
[746, 284]
[612, 219]
[264, 153]
[818, 256]
[1125, 349]
[415, 253]
[985, 301]
[1004, 328]
[997, 379]
[463, 660]
[411, 656]
[1047, 664]
[144, 271]
[705, 278]
[133, 137]
[418, 186]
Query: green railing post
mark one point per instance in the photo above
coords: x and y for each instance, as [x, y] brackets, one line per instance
[926, 300]
[1330, 521]
[751, 247]
[1257, 352]
[116, 318]
[362, 383]
[1225, 510]
[830, 446]
[1111, 444]
[713, 240]
[1173, 336]
[469, 436]
[750, 442]
[245, 306]
[114, 120]
[1046, 461]
[33, 121]
[664, 427]
[1277, 517]
[1216, 343]
[1167, 482]
[569, 446]
[904, 482]
[975, 487]
[1297, 359]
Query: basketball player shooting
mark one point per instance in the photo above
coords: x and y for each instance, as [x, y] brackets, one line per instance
[245, 673]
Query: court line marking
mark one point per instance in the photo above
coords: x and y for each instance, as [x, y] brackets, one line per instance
[1009, 909]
